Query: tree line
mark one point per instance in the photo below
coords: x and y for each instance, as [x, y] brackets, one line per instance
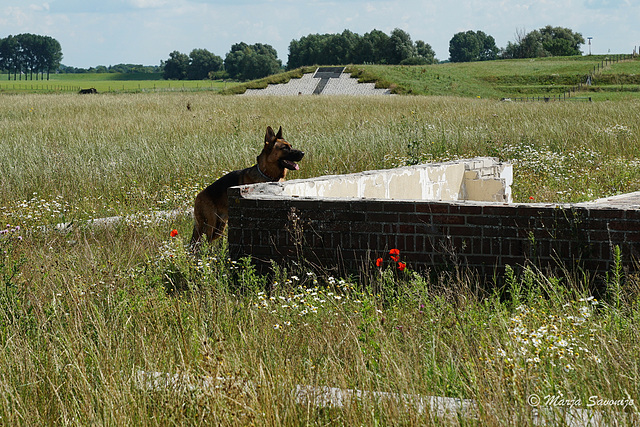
[248, 62]
[374, 47]
[28, 54]
[243, 62]
[118, 68]
[548, 41]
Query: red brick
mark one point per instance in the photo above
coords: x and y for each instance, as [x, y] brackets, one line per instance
[624, 225]
[381, 217]
[432, 207]
[448, 219]
[483, 220]
[400, 207]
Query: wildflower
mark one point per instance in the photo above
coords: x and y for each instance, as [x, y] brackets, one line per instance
[402, 266]
[394, 254]
[174, 233]
[379, 262]
[532, 198]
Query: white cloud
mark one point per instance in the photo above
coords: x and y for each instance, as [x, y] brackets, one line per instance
[147, 4]
[39, 7]
[94, 32]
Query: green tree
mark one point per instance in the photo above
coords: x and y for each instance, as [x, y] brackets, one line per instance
[29, 54]
[488, 49]
[399, 47]
[559, 41]
[52, 55]
[338, 49]
[248, 62]
[175, 68]
[202, 62]
[472, 46]
[464, 47]
[10, 53]
[310, 50]
[374, 45]
[547, 41]
[425, 51]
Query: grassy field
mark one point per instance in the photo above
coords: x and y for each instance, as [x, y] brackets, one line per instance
[107, 82]
[614, 78]
[83, 313]
[506, 78]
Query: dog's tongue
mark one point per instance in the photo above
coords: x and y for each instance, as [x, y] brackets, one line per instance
[292, 165]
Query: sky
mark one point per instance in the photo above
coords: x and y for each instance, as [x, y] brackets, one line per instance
[110, 32]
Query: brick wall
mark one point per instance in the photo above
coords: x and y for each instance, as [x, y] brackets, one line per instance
[350, 233]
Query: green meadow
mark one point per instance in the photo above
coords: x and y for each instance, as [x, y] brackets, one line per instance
[106, 82]
[539, 77]
[93, 332]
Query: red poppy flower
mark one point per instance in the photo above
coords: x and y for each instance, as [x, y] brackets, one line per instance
[174, 233]
[395, 252]
[379, 262]
[402, 266]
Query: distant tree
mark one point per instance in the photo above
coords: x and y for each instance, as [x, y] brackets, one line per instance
[472, 46]
[399, 47]
[464, 47]
[559, 41]
[52, 55]
[547, 41]
[374, 47]
[9, 55]
[29, 54]
[175, 68]
[133, 68]
[425, 51]
[488, 49]
[338, 48]
[202, 62]
[248, 62]
[309, 50]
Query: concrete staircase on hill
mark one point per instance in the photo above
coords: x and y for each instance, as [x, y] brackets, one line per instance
[324, 81]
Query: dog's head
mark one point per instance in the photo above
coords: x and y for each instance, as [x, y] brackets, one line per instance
[278, 154]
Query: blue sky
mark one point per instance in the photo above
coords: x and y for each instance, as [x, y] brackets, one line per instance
[108, 32]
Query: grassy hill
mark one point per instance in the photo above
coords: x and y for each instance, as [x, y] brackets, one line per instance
[510, 78]
[613, 77]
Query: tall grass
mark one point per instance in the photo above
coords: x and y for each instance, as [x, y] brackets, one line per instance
[83, 157]
[86, 313]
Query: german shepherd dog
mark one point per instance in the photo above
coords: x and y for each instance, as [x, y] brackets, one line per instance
[211, 208]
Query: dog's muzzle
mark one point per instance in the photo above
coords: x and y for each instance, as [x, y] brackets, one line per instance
[289, 162]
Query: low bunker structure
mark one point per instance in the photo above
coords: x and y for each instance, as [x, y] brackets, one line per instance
[439, 215]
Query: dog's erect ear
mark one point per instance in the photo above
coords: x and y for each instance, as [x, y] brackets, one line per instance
[279, 134]
[270, 137]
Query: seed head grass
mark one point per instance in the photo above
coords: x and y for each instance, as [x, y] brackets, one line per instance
[121, 324]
